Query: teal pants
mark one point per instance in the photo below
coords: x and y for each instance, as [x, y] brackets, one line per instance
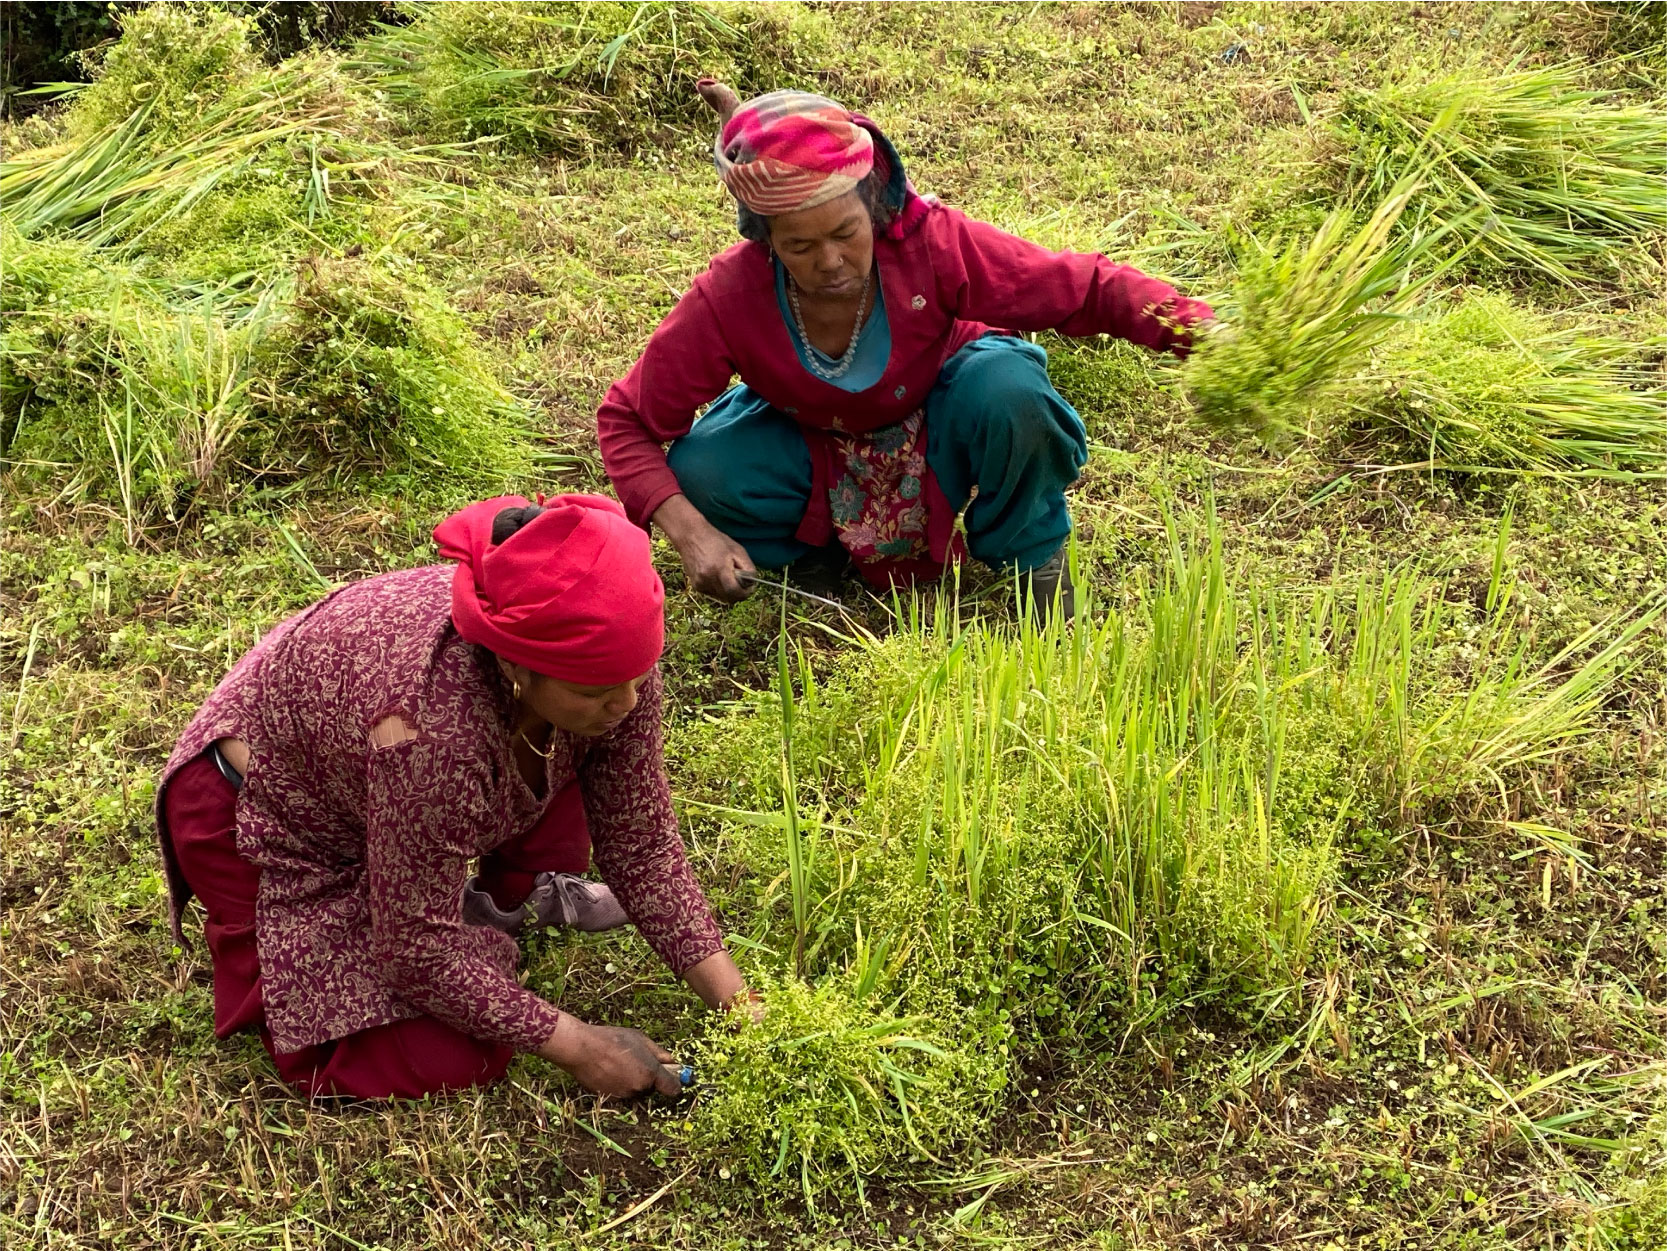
[993, 420]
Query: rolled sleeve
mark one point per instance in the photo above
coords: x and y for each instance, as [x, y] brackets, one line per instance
[686, 363]
[990, 275]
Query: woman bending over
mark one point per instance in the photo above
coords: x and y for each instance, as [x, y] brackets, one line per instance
[326, 801]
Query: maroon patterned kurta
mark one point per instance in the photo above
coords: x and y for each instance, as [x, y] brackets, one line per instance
[363, 850]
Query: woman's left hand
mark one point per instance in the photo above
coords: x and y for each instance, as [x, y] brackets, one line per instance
[748, 1005]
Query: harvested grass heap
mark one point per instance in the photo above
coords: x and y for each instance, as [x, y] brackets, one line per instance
[173, 63]
[829, 1087]
[1557, 172]
[1483, 383]
[569, 78]
[372, 367]
[142, 389]
[112, 187]
[159, 395]
[181, 110]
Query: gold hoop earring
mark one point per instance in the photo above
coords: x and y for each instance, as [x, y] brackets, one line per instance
[517, 687]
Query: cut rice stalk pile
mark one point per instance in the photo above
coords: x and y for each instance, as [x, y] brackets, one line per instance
[1302, 319]
[1559, 172]
[851, 1088]
[1485, 384]
[111, 186]
[569, 78]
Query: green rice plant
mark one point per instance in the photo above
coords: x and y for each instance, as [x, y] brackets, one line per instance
[127, 446]
[1558, 173]
[829, 1088]
[1060, 835]
[1482, 383]
[568, 77]
[1302, 318]
[801, 847]
[1086, 828]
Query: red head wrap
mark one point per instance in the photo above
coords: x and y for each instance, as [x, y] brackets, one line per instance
[572, 594]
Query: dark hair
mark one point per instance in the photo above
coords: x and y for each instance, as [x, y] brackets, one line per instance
[871, 191]
[509, 520]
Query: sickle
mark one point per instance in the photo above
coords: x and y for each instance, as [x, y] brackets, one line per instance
[719, 98]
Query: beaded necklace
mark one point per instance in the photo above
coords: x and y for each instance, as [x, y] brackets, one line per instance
[842, 366]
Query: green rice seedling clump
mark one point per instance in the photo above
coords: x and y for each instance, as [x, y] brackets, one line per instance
[1557, 173]
[831, 1088]
[1302, 317]
[1086, 830]
[173, 61]
[256, 223]
[47, 332]
[571, 78]
[1483, 382]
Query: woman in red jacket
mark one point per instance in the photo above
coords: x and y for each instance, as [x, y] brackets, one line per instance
[881, 385]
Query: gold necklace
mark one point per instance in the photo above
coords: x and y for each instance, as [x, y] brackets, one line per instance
[535, 751]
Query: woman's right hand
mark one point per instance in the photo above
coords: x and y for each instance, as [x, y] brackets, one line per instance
[611, 1061]
[713, 563]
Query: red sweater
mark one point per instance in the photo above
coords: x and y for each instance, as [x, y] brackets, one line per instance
[944, 276]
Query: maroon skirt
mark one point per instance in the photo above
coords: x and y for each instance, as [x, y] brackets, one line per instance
[399, 1060]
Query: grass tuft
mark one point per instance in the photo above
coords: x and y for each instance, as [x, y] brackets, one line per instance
[1483, 383]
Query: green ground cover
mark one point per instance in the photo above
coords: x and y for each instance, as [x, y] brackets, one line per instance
[1309, 890]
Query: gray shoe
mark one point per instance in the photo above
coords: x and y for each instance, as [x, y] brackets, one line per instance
[1050, 584]
[562, 900]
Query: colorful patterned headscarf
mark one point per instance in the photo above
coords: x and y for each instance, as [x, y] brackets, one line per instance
[787, 150]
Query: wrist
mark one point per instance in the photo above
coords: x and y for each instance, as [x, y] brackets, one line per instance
[742, 1000]
[677, 519]
[717, 981]
[568, 1042]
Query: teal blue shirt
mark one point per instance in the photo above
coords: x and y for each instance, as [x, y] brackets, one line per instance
[873, 344]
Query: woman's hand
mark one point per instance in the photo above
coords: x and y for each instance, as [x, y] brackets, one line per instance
[611, 1061]
[746, 1006]
[713, 563]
